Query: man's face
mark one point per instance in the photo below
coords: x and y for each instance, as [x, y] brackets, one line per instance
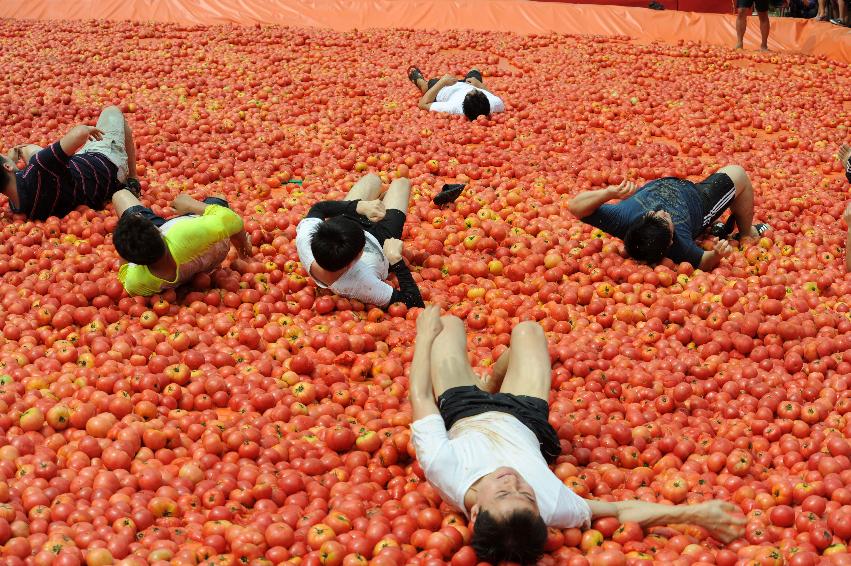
[503, 491]
[8, 161]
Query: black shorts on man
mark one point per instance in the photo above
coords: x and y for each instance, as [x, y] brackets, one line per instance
[468, 400]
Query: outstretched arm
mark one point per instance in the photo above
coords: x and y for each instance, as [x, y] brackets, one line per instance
[420, 390]
[722, 519]
[586, 203]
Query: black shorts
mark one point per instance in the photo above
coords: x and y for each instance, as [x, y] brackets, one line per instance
[718, 193]
[468, 400]
[158, 220]
[761, 5]
[391, 226]
[473, 74]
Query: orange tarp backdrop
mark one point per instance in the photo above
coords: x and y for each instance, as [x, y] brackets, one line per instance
[520, 16]
[708, 6]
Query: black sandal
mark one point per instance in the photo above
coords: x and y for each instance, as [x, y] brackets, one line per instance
[134, 187]
[414, 75]
[449, 193]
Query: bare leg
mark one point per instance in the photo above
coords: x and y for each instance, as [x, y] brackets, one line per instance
[422, 84]
[130, 148]
[742, 206]
[529, 368]
[122, 200]
[822, 13]
[843, 12]
[450, 364]
[398, 196]
[764, 28]
[741, 26]
[368, 187]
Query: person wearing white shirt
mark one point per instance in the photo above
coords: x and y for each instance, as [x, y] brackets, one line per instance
[351, 246]
[485, 443]
[447, 94]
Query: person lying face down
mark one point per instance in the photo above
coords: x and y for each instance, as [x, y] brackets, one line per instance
[663, 218]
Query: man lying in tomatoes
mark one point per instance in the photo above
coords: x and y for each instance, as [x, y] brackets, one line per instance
[663, 218]
[485, 445]
[164, 254]
[351, 246]
[86, 166]
[447, 94]
[845, 159]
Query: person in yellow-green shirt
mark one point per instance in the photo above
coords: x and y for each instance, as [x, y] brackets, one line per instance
[163, 254]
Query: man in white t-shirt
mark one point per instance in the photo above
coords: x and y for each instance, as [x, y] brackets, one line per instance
[447, 94]
[492, 462]
[351, 246]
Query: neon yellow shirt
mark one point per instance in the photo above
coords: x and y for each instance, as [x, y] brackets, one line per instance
[197, 243]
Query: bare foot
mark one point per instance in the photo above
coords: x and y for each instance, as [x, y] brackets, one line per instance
[722, 519]
[739, 46]
[763, 48]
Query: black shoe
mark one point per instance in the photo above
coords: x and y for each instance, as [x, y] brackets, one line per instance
[133, 185]
[656, 6]
[723, 229]
[449, 193]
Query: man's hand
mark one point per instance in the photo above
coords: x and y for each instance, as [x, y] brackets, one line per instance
[374, 210]
[89, 133]
[242, 244]
[428, 323]
[448, 80]
[393, 250]
[722, 248]
[625, 190]
[722, 519]
[844, 155]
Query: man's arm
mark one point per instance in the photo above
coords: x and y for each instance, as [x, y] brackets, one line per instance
[408, 291]
[721, 518]
[431, 94]
[712, 258]
[586, 203]
[420, 390]
[77, 138]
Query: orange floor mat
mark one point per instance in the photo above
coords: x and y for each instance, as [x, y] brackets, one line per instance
[787, 34]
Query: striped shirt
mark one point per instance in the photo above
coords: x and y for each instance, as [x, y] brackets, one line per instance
[54, 184]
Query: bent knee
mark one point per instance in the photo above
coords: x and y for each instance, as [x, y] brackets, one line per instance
[528, 328]
[112, 110]
[738, 175]
[452, 322]
[400, 183]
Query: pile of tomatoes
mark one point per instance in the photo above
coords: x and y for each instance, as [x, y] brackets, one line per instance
[247, 420]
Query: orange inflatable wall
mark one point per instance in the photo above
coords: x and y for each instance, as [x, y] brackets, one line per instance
[520, 16]
[707, 6]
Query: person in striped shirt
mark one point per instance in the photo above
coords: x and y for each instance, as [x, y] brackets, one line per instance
[86, 167]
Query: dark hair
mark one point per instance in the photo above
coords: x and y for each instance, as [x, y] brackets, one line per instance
[337, 242]
[476, 104]
[520, 537]
[648, 239]
[136, 239]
